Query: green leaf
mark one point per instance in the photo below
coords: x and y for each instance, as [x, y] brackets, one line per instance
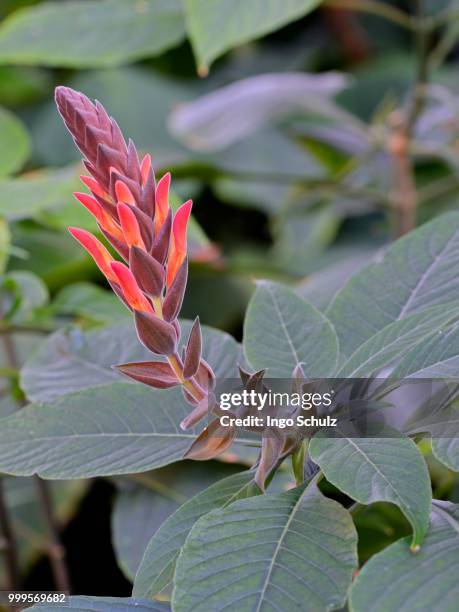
[71, 360]
[83, 603]
[378, 469]
[29, 293]
[90, 34]
[294, 550]
[217, 26]
[14, 143]
[398, 338]
[119, 428]
[5, 244]
[446, 449]
[142, 506]
[396, 580]
[281, 330]
[435, 356]
[21, 198]
[157, 567]
[417, 272]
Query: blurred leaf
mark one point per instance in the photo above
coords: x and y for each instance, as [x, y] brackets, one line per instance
[22, 197]
[364, 469]
[71, 360]
[416, 272]
[140, 509]
[90, 34]
[302, 238]
[395, 580]
[282, 331]
[21, 85]
[117, 428]
[83, 603]
[90, 301]
[14, 143]
[265, 167]
[51, 255]
[29, 293]
[260, 553]
[5, 243]
[235, 111]
[157, 567]
[220, 25]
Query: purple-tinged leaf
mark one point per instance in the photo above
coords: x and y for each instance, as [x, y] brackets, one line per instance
[157, 335]
[156, 374]
[193, 350]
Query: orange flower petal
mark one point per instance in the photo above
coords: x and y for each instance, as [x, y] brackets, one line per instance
[104, 220]
[123, 193]
[145, 167]
[130, 226]
[177, 252]
[94, 186]
[162, 201]
[131, 290]
[97, 251]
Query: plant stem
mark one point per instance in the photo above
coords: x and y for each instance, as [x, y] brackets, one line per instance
[391, 13]
[55, 549]
[8, 544]
[404, 196]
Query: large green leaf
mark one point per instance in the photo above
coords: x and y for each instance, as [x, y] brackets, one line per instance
[141, 507]
[398, 338]
[219, 25]
[25, 196]
[14, 143]
[378, 469]
[156, 570]
[82, 603]
[436, 356]
[418, 271]
[89, 34]
[281, 330]
[113, 429]
[71, 360]
[294, 550]
[396, 580]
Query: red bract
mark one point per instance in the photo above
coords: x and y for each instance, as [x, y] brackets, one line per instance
[133, 213]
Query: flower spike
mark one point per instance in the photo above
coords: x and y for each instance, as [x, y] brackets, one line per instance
[133, 213]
